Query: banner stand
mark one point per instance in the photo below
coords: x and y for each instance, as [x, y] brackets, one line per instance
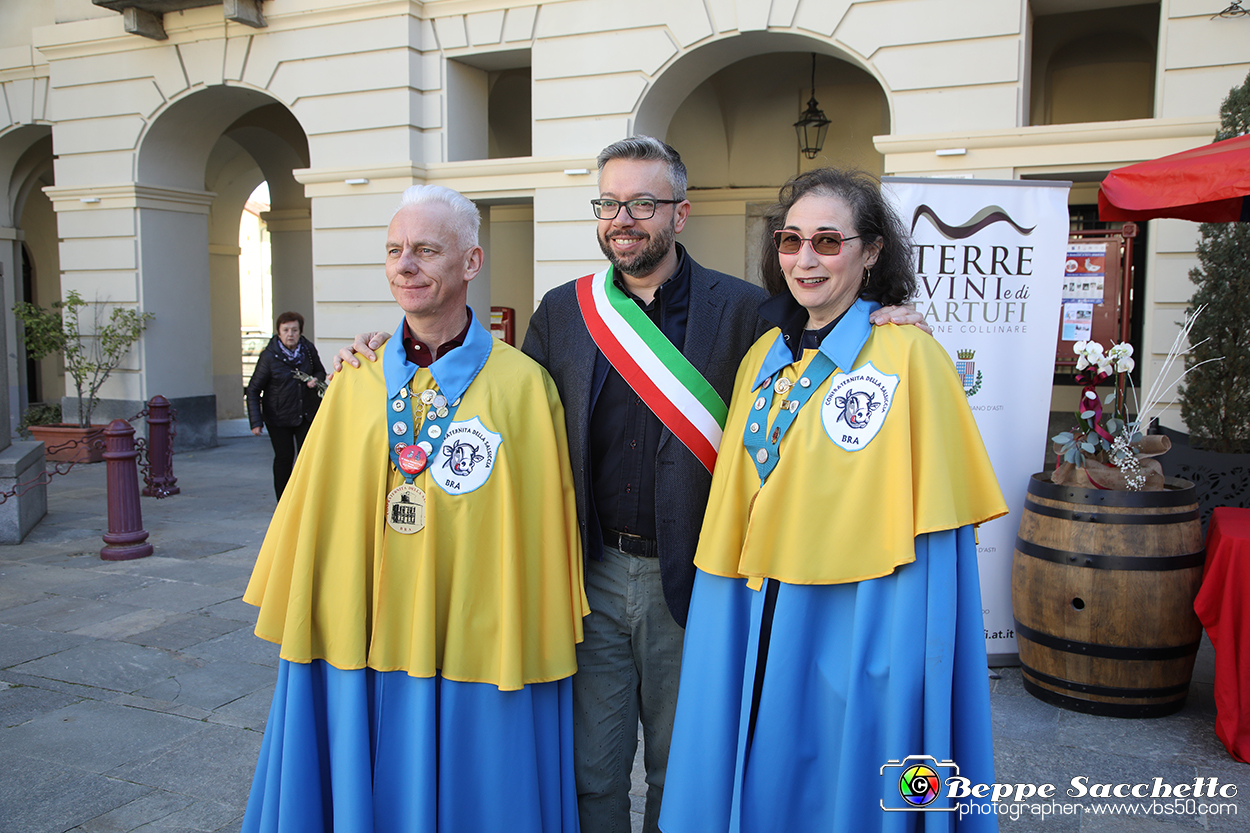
[990, 259]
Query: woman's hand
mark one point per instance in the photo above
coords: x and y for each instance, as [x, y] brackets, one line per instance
[256, 431]
[365, 344]
[905, 314]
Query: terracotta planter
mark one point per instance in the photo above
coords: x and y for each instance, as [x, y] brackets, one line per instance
[69, 443]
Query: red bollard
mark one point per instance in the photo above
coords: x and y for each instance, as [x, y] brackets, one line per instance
[126, 538]
[161, 480]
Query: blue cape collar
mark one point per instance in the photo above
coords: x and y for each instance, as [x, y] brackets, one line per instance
[453, 372]
[842, 345]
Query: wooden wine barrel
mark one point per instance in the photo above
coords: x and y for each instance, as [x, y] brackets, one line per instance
[1102, 592]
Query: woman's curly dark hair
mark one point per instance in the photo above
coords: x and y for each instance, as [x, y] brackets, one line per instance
[893, 278]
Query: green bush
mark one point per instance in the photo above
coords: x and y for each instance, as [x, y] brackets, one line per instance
[39, 413]
[1215, 399]
[89, 358]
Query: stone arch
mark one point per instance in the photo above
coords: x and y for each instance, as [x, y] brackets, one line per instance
[198, 161]
[728, 107]
[685, 72]
[29, 260]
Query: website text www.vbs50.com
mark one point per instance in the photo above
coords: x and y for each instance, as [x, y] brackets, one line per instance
[921, 783]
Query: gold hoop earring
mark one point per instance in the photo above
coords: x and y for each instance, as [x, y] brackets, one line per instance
[867, 275]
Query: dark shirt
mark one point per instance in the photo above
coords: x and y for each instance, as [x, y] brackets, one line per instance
[789, 315]
[624, 432]
[420, 354]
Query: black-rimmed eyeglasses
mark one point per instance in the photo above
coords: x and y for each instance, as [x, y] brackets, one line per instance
[640, 209]
[823, 243]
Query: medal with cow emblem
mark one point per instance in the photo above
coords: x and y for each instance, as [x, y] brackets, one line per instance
[405, 508]
[466, 457]
[856, 405]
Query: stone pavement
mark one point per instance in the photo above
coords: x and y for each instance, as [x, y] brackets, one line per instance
[133, 694]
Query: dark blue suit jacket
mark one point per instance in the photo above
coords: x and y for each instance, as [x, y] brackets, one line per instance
[723, 324]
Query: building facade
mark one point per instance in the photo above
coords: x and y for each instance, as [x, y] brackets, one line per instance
[127, 156]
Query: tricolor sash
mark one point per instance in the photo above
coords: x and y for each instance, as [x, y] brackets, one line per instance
[656, 370]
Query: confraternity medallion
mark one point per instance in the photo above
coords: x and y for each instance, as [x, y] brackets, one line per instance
[405, 509]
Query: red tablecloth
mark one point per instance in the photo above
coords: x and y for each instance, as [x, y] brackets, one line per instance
[1222, 605]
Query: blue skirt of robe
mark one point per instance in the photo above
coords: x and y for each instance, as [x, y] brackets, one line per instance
[367, 751]
[856, 676]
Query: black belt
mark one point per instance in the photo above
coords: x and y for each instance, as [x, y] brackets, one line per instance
[630, 544]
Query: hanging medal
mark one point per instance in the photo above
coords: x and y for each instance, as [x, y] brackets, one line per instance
[405, 504]
[405, 508]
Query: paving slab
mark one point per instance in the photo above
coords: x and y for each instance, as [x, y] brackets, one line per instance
[193, 571]
[22, 644]
[127, 625]
[212, 685]
[117, 666]
[214, 764]
[240, 644]
[20, 703]
[248, 712]
[155, 806]
[42, 797]
[64, 614]
[176, 596]
[234, 609]
[178, 631]
[96, 736]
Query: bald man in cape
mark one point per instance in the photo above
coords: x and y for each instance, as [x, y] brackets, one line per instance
[423, 576]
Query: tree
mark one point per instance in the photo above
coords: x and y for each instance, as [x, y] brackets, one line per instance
[1215, 399]
[89, 359]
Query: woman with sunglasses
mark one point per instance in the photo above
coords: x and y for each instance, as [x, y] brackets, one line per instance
[835, 628]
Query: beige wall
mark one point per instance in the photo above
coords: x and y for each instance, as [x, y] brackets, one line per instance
[510, 101]
[512, 262]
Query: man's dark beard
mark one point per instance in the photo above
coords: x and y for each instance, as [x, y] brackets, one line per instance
[645, 261]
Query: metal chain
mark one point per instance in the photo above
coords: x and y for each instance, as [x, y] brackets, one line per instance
[97, 442]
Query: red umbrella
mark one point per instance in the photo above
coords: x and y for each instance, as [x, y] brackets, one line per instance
[1207, 184]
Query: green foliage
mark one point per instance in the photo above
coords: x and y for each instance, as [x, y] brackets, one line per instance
[1215, 400]
[40, 413]
[90, 357]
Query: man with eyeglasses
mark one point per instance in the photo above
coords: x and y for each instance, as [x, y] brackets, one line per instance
[644, 355]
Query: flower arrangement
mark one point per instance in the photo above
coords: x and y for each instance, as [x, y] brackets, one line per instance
[1106, 449]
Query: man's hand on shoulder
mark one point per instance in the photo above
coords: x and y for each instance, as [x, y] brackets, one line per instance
[366, 344]
[905, 314]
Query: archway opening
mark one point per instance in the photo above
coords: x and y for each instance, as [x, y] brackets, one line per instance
[229, 142]
[729, 109]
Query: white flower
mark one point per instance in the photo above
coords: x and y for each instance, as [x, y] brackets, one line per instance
[1124, 365]
[1088, 353]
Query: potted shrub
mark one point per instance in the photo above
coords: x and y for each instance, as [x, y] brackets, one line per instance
[89, 360]
[1215, 400]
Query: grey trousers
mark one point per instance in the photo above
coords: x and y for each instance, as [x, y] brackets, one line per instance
[627, 669]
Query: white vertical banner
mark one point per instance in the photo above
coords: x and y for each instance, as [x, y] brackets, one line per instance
[990, 258]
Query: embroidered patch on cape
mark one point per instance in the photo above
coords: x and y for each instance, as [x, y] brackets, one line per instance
[856, 405]
[466, 458]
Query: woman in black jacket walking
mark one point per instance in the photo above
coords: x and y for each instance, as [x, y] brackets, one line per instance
[278, 400]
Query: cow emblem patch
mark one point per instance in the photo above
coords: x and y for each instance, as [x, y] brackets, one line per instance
[466, 457]
[856, 405]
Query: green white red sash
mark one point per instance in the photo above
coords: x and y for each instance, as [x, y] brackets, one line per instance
[657, 371]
